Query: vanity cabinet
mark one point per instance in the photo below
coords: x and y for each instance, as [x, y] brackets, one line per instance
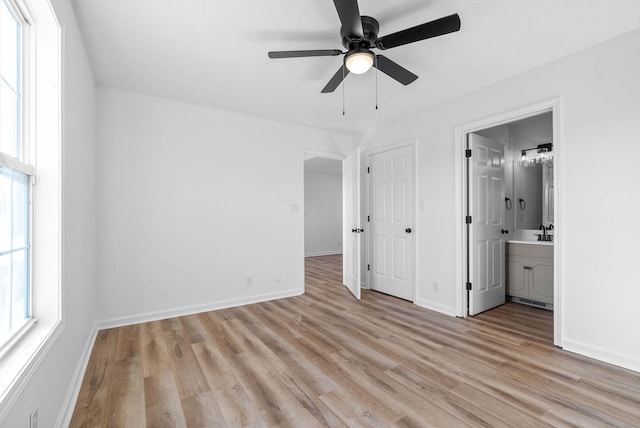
[530, 272]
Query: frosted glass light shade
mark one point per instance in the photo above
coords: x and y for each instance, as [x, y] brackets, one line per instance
[359, 62]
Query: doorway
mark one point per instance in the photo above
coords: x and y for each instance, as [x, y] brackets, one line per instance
[322, 206]
[485, 229]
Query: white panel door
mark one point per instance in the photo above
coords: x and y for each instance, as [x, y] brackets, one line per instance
[391, 222]
[486, 252]
[352, 229]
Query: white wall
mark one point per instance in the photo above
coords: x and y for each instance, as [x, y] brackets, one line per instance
[191, 201]
[600, 93]
[50, 385]
[322, 214]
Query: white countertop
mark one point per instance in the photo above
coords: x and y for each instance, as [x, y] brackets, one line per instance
[547, 243]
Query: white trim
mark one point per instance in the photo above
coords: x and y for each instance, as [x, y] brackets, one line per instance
[403, 143]
[631, 362]
[323, 253]
[553, 105]
[196, 309]
[69, 403]
[33, 356]
[321, 154]
[14, 163]
[447, 310]
[412, 142]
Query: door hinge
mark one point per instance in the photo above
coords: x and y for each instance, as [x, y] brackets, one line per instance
[468, 219]
[469, 286]
[467, 153]
[368, 267]
[368, 218]
[368, 170]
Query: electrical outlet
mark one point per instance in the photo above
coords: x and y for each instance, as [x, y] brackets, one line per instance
[248, 280]
[436, 286]
[33, 419]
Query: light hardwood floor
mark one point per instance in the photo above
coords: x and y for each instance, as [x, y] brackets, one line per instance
[323, 359]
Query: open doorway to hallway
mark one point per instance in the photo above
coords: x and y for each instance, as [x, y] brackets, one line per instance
[323, 217]
[322, 207]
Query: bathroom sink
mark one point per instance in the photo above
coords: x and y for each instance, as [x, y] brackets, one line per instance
[549, 243]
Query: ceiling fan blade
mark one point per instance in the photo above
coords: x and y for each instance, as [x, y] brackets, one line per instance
[439, 27]
[335, 80]
[394, 70]
[349, 18]
[300, 54]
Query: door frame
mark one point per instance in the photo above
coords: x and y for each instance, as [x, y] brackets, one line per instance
[416, 230]
[461, 133]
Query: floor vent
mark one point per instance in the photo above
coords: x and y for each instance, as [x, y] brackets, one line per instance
[525, 301]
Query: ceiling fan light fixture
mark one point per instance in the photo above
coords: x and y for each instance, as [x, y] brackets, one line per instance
[359, 61]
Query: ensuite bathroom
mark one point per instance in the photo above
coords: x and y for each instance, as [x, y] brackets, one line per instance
[528, 208]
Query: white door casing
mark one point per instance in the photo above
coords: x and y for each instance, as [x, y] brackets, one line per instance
[392, 222]
[487, 247]
[462, 182]
[352, 230]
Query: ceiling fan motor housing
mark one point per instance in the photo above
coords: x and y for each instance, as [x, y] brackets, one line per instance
[370, 29]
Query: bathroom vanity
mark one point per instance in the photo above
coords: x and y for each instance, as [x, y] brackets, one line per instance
[530, 273]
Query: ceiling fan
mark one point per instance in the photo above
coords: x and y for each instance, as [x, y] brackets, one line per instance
[360, 35]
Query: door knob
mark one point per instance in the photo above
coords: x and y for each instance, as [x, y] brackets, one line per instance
[408, 230]
[505, 231]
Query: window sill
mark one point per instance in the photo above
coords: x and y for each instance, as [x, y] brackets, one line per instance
[19, 363]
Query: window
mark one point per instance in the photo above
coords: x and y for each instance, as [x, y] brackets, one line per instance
[31, 313]
[15, 179]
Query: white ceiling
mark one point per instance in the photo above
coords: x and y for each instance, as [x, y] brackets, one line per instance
[214, 53]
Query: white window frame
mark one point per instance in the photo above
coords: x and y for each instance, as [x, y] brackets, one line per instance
[42, 136]
[24, 162]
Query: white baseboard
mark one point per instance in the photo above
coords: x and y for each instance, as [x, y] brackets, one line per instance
[69, 404]
[195, 309]
[626, 361]
[447, 310]
[323, 253]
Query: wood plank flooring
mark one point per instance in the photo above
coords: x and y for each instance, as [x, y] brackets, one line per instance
[323, 359]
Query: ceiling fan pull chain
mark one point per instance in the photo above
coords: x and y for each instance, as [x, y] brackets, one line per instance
[343, 85]
[376, 57]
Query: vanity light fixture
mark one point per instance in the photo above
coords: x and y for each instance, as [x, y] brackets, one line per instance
[541, 154]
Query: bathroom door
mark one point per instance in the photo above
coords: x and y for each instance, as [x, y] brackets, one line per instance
[486, 243]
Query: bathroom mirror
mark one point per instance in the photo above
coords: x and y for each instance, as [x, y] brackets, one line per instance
[527, 186]
[533, 195]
